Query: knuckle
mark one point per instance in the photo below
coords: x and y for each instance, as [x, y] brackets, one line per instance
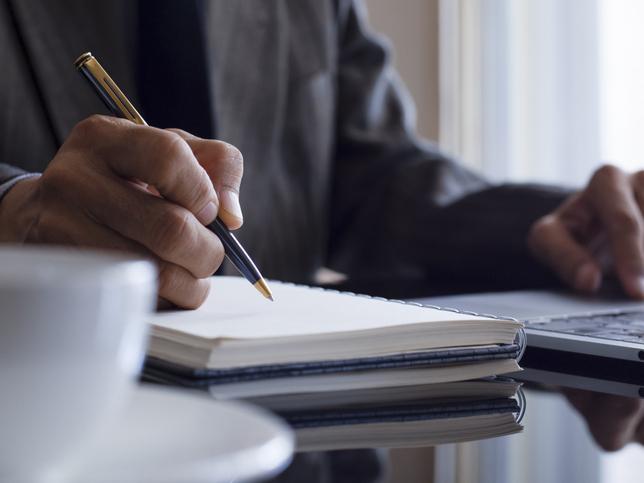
[183, 290]
[203, 190]
[607, 172]
[45, 227]
[170, 148]
[232, 159]
[540, 231]
[67, 179]
[180, 132]
[168, 275]
[236, 161]
[211, 259]
[627, 223]
[177, 163]
[50, 227]
[57, 179]
[173, 146]
[233, 154]
[172, 232]
[90, 126]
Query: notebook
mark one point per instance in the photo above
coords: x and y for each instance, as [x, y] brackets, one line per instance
[236, 337]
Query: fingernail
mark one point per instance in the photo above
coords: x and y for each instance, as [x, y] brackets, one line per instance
[230, 204]
[588, 278]
[208, 213]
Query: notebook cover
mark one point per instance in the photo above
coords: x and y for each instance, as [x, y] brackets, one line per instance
[157, 370]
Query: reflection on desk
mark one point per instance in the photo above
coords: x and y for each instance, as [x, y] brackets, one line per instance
[402, 417]
[409, 426]
[566, 437]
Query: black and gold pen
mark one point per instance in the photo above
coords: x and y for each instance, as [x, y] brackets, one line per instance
[120, 106]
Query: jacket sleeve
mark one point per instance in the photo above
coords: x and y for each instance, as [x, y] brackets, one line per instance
[401, 207]
[10, 175]
[8, 172]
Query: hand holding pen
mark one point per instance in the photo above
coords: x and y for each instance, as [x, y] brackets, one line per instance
[120, 106]
[84, 198]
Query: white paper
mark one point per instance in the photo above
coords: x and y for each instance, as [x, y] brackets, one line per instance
[236, 310]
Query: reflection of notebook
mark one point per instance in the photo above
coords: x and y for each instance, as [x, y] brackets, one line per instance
[442, 392]
[419, 421]
[239, 337]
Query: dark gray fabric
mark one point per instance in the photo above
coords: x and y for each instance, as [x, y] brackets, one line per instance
[334, 172]
[170, 94]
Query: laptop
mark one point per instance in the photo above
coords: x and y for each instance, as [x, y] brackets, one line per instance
[606, 325]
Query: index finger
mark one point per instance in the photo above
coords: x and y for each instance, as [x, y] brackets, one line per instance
[611, 195]
[157, 157]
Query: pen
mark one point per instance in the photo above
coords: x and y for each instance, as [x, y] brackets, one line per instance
[120, 106]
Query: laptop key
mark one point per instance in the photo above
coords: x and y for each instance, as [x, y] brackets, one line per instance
[623, 326]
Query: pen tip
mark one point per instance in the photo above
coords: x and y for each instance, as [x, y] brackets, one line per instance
[262, 287]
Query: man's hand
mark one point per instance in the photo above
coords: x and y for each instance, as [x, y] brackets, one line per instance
[595, 231]
[95, 194]
[614, 421]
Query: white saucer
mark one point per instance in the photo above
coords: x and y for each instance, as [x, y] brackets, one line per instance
[177, 436]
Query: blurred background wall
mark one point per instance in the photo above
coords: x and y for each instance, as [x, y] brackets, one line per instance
[539, 90]
[412, 27]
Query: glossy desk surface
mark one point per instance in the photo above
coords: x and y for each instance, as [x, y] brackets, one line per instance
[576, 429]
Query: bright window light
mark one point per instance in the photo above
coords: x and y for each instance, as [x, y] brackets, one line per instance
[621, 40]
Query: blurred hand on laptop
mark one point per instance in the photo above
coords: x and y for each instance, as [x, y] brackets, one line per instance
[596, 231]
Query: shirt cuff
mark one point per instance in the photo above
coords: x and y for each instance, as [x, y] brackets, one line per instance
[7, 185]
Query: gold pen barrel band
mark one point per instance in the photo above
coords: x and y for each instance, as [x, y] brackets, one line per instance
[110, 93]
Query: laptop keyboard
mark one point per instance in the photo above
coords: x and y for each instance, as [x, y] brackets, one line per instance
[621, 326]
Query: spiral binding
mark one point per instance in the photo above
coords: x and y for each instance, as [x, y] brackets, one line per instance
[522, 401]
[521, 338]
[522, 342]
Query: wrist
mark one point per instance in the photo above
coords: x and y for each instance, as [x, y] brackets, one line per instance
[19, 210]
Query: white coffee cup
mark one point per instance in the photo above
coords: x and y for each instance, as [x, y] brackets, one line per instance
[72, 340]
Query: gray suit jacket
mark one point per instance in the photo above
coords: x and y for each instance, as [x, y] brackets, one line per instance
[334, 172]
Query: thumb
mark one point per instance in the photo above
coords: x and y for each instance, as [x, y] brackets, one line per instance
[552, 243]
